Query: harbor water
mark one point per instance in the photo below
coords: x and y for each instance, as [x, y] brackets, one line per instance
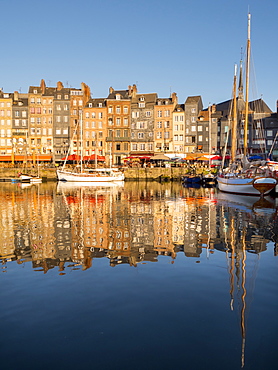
[138, 275]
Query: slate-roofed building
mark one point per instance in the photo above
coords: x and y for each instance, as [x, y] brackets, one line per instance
[192, 106]
[142, 123]
[118, 124]
[20, 123]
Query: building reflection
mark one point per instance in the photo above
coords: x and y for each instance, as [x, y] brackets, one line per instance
[68, 226]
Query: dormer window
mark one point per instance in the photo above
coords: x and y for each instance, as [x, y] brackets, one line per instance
[100, 105]
[118, 97]
[142, 98]
[35, 91]
[90, 105]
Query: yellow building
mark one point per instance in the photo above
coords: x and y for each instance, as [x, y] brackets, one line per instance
[6, 101]
[163, 124]
[95, 128]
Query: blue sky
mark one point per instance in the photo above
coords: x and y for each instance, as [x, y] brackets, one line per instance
[187, 47]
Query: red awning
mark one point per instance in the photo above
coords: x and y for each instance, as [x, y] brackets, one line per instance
[100, 158]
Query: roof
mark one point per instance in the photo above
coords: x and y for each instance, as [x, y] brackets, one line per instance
[259, 106]
[193, 99]
[123, 93]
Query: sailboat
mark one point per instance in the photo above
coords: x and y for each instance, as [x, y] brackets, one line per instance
[244, 179]
[93, 176]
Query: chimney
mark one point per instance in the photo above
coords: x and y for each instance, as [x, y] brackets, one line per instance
[43, 86]
[174, 98]
[16, 96]
[213, 108]
[111, 90]
[60, 86]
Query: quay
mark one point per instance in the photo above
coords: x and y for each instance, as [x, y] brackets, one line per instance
[131, 174]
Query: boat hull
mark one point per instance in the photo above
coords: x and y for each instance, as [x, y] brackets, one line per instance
[87, 177]
[248, 186]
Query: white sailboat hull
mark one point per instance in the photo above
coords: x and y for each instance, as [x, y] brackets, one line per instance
[29, 178]
[98, 176]
[248, 186]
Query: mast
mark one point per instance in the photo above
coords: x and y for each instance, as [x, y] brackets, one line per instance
[247, 87]
[234, 126]
[81, 139]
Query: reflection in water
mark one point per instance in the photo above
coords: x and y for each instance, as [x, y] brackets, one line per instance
[65, 228]
[69, 226]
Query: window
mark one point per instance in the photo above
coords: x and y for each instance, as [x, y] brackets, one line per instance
[140, 135]
[65, 131]
[59, 97]
[66, 107]
[125, 110]
[100, 115]
[193, 110]
[269, 133]
[159, 124]
[110, 109]
[142, 146]
[125, 121]
[200, 128]
[159, 113]
[176, 137]
[200, 138]
[193, 119]
[58, 131]
[148, 114]
[118, 121]
[118, 133]
[16, 122]
[181, 137]
[24, 113]
[193, 128]
[58, 107]
[166, 113]
[141, 105]
[118, 110]
[135, 114]
[118, 97]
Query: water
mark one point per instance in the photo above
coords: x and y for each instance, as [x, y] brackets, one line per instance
[143, 276]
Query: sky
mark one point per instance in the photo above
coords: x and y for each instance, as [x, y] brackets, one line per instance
[185, 46]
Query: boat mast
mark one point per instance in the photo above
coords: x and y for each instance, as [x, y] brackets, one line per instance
[247, 87]
[81, 139]
[234, 126]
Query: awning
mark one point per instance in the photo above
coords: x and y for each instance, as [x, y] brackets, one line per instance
[25, 158]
